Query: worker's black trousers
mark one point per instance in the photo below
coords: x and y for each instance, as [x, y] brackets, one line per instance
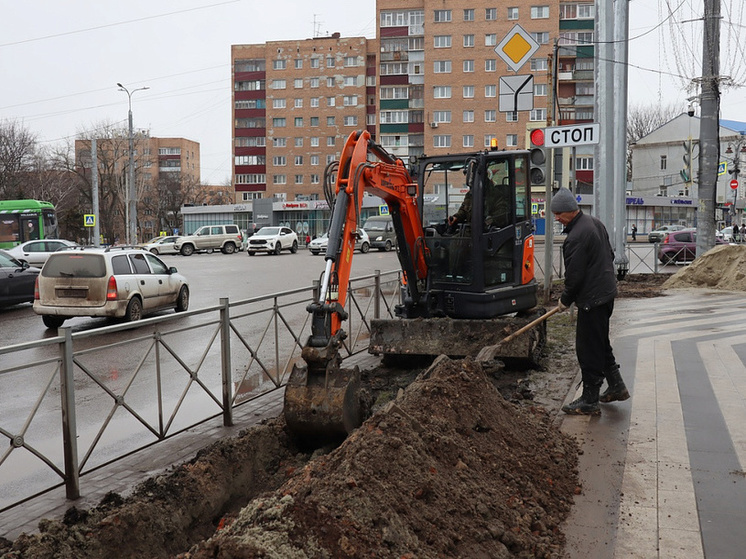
[592, 344]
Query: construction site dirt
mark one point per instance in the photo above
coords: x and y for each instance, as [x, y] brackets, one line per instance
[459, 459]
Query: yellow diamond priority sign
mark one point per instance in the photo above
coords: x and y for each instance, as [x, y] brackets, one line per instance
[516, 47]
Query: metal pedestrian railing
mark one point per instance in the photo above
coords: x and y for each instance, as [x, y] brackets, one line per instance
[75, 402]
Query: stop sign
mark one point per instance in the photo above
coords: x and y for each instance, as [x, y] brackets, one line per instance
[734, 184]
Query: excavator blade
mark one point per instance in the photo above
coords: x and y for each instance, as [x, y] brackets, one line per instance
[322, 400]
[459, 338]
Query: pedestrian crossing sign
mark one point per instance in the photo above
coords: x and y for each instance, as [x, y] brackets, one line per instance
[89, 220]
[383, 210]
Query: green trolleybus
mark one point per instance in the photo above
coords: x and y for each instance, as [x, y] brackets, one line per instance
[26, 220]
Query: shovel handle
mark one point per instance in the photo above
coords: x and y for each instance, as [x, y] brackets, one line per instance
[530, 325]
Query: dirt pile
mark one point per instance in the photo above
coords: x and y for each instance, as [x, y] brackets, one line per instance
[722, 268]
[447, 469]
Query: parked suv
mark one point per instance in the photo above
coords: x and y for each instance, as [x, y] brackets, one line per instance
[273, 240]
[380, 229]
[226, 238]
[118, 282]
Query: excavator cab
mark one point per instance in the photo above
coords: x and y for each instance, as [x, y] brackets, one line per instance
[482, 265]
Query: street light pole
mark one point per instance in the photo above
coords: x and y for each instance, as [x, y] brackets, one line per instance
[131, 206]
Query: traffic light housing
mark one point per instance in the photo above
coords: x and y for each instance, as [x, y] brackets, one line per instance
[537, 158]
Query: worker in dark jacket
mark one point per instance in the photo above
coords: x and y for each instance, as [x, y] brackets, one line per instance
[590, 283]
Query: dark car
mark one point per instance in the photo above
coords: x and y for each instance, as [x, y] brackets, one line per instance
[679, 246]
[17, 281]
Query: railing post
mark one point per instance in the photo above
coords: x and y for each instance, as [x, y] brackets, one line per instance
[316, 290]
[377, 295]
[69, 428]
[225, 361]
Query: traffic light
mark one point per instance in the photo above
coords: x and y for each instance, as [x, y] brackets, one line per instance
[537, 158]
[686, 172]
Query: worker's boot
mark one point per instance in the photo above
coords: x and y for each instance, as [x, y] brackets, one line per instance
[587, 404]
[616, 391]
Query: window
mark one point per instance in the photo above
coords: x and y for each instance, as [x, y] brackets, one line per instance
[314, 121]
[488, 140]
[541, 37]
[250, 104]
[314, 101]
[331, 121]
[663, 162]
[511, 140]
[512, 14]
[442, 67]
[330, 62]
[538, 64]
[468, 91]
[442, 116]
[250, 160]
[349, 101]
[395, 92]
[278, 103]
[330, 81]
[279, 161]
[330, 158]
[314, 179]
[278, 122]
[315, 62]
[468, 41]
[279, 64]
[331, 141]
[279, 142]
[442, 141]
[539, 12]
[349, 81]
[298, 122]
[350, 121]
[298, 142]
[254, 178]
[442, 41]
[538, 114]
[298, 63]
[468, 66]
[442, 16]
[251, 142]
[490, 115]
[511, 116]
[314, 82]
[490, 39]
[279, 84]
[314, 142]
[469, 15]
[468, 141]
[279, 179]
[586, 11]
[490, 65]
[442, 92]
[315, 158]
[584, 163]
[540, 90]
[350, 61]
[468, 115]
[298, 83]
[490, 91]
[298, 103]
[490, 14]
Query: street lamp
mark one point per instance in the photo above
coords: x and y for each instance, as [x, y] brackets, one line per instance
[131, 206]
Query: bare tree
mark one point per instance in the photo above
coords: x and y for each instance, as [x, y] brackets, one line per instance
[18, 148]
[642, 120]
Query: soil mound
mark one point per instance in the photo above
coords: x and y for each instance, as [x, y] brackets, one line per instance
[448, 469]
[722, 268]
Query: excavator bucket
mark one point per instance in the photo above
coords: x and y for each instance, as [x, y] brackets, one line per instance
[322, 400]
[459, 338]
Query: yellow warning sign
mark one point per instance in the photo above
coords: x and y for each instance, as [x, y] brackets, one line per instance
[517, 47]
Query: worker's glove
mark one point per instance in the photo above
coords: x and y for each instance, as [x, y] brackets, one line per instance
[561, 306]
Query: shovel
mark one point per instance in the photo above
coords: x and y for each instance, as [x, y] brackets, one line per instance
[489, 352]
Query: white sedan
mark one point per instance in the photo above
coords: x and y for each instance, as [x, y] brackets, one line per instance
[37, 252]
[318, 245]
[162, 245]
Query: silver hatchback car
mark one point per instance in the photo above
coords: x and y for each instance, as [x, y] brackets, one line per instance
[122, 282]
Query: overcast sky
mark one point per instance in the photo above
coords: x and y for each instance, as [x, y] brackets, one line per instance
[60, 61]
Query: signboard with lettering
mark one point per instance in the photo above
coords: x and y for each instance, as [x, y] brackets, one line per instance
[575, 135]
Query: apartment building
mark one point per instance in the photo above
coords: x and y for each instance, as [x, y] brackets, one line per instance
[294, 104]
[167, 175]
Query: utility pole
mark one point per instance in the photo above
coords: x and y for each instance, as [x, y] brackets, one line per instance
[709, 130]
